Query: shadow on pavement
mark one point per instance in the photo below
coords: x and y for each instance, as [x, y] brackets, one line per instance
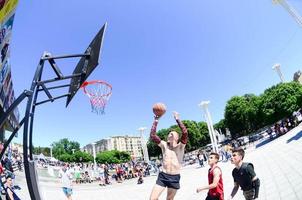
[296, 137]
[268, 140]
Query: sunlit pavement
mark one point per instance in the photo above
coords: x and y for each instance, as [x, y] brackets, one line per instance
[277, 163]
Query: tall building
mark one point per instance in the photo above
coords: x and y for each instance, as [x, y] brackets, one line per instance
[101, 145]
[130, 144]
[7, 94]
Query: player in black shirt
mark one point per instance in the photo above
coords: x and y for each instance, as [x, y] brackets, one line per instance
[244, 176]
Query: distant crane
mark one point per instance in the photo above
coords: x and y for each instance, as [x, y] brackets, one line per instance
[290, 10]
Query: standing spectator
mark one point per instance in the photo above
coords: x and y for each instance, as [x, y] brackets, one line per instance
[66, 179]
[228, 151]
[205, 157]
[277, 130]
[19, 162]
[77, 173]
[106, 173]
[119, 173]
[7, 163]
[101, 170]
[147, 169]
[1, 146]
[200, 158]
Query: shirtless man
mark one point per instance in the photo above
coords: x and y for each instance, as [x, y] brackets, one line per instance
[173, 152]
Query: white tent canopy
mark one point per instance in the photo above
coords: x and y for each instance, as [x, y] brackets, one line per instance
[41, 156]
[52, 159]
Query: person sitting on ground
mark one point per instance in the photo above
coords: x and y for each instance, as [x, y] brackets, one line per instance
[87, 177]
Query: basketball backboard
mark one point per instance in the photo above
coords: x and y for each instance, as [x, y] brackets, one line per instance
[86, 64]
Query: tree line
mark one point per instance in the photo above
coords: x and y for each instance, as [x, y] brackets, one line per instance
[248, 113]
[69, 151]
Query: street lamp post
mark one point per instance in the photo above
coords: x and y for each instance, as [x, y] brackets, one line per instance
[144, 144]
[278, 70]
[94, 155]
[204, 105]
[290, 9]
[51, 151]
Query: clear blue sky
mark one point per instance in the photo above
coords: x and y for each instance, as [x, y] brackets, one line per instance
[174, 51]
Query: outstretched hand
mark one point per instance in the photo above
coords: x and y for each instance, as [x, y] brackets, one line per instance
[175, 115]
[199, 190]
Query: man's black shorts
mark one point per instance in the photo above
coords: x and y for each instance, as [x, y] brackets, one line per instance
[168, 180]
[212, 198]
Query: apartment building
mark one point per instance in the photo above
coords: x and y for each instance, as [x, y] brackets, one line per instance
[130, 144]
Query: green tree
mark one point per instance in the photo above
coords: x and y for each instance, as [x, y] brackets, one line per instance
[280, 101]
[205, 136]
[37, 150]
[246, 114]
[44, 150]
[234, 115]
[113, 156]
[242, 114]
[65, 157]
[80, 156]
[124, 156]
[220, 126]
[196, 134]
[64, 146]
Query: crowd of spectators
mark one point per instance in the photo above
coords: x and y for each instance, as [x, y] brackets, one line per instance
[11, 162]
[105, 174]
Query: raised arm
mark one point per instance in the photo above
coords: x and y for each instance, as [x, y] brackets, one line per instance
[153, 135]
[184, 135]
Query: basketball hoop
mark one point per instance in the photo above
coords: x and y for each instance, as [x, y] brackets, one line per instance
[98, 93]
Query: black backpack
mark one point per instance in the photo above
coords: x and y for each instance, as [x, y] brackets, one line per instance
[244, 168]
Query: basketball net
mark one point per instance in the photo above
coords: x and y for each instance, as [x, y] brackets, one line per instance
[98, 93]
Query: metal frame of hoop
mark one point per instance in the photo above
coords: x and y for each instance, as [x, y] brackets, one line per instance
[99, 97]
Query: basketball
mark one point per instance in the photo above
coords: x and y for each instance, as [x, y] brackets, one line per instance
[159, 109]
